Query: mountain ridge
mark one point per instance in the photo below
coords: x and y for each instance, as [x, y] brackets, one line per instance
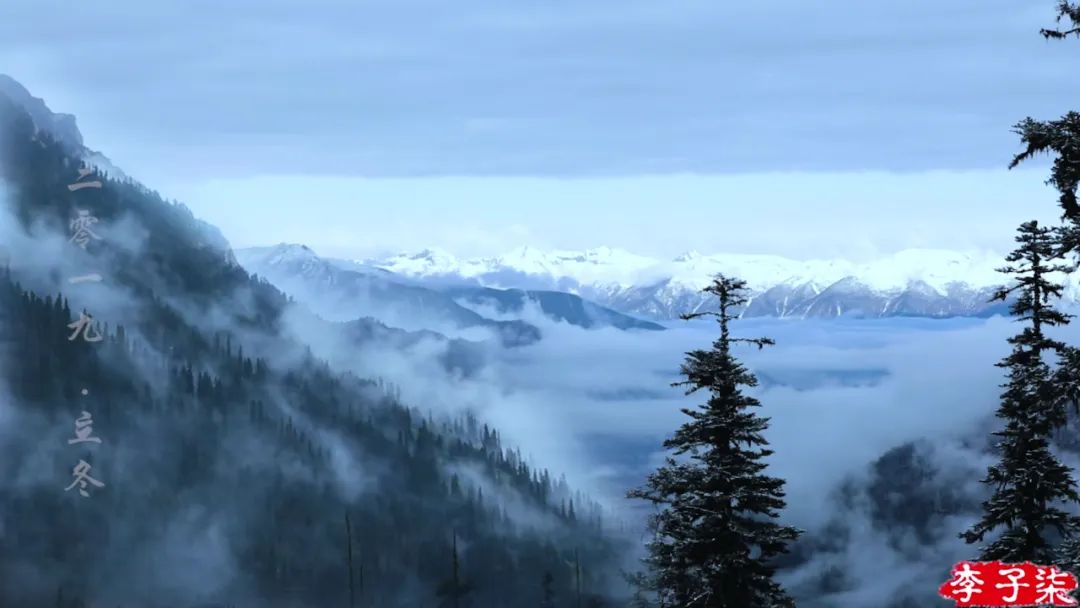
[341, 290]
[911, 282]
[62, 127]
[344, 296]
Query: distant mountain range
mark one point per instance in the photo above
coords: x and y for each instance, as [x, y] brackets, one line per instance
[339, 290]
[915, 282]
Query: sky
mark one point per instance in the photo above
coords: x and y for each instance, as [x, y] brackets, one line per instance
[842, 128]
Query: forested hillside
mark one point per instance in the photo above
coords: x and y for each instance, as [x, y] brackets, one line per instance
[235, 464]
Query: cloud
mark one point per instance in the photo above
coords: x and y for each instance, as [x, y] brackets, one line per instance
[580, 386]
[596, 405]
[553, 88]
[140, 560]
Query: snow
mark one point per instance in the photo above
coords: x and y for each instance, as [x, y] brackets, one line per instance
[602, 265]
[914, 281]
[429, 262]
[610, 268]
[662, 289]
[284, 257]
[278, 255]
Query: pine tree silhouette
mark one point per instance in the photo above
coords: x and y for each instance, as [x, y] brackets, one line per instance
[1067, 11]
[454, 590]
[1061, 139]
[1029, 480]
[713, 534]
[547, 598]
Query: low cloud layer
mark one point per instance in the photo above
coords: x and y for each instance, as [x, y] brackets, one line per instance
[558, 88]
[860, 410]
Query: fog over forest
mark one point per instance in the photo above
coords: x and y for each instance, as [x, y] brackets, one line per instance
[399, 304]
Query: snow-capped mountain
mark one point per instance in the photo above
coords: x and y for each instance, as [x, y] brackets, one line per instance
[600, 266]
[342, 295]
[340, 290]
[915, 282]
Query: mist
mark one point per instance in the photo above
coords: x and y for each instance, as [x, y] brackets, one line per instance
[193, 549]
[596, 405]
[853, 403]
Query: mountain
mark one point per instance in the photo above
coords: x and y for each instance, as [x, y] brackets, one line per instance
[343, 290]
[236, 464]
[558, 305]
[916, 282]
[344, 295]
[342, 343]
[524, 267]
[62, 128]
[459, 356]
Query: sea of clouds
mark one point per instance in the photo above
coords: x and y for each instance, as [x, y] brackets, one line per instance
[841, 394]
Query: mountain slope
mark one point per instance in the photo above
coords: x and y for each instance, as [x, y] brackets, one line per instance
[345, 295]
[231, 454]
[340, 290]
[557, 305]
[62, 127]
[929, 283]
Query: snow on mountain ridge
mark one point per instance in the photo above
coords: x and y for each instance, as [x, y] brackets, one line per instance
[601, 265]
[286, 255]
[429, 262]
[607, 268]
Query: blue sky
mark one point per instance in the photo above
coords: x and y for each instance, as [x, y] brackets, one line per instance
[576, 112]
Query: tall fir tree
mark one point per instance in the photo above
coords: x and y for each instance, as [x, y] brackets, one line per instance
[547, 592]
[1059, 138]
[454, 591]
[349, 559]
[715, 533]
[577, 576]
[1030, 483]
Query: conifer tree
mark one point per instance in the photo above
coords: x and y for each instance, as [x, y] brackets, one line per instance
[714, 531]
[349, 559]
[1070, 12]
[547, 597]
[577, 575]
[1029, 481]
[454, 590]
[640, 599]
[1061, 139]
